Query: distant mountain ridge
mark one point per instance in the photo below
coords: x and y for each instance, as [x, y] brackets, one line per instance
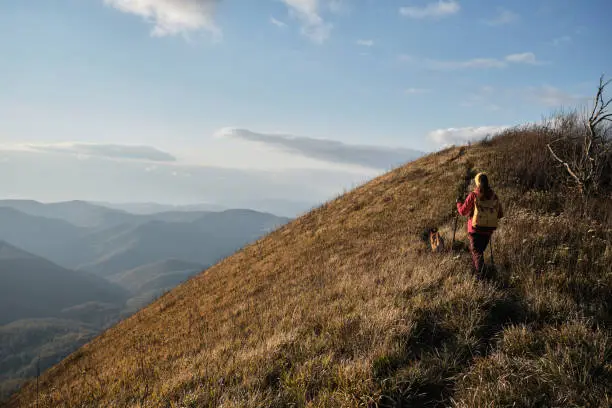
[280, 207]
[204, 240]
[69, 270]
[34, 287]
[118, 241]
[53, 239]
[155, 208]
[83, 214]
[78, 213]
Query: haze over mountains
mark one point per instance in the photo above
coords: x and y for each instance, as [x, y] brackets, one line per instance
[71, 269]
[93, 238]
[280, 207]
[34, 287]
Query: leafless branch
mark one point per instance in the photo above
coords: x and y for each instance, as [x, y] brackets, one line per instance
[567, 166]
[604, 118]
[599, 113]
[584, 152]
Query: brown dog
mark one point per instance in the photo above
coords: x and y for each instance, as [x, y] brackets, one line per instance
[436, 241]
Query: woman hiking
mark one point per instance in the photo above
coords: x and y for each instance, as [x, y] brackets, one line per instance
[483, 209]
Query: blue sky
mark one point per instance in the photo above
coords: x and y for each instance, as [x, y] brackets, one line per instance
[274, 85]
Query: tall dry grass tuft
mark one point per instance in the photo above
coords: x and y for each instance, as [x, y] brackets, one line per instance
[346, 306]
[562, 366]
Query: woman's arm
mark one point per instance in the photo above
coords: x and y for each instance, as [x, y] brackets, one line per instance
[467, 206]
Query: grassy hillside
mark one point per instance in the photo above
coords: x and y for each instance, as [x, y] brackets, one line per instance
[345, 306]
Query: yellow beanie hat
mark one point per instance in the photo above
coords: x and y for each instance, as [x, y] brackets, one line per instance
[477, 178]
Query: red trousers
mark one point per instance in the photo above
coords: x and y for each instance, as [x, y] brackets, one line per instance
[478, 244]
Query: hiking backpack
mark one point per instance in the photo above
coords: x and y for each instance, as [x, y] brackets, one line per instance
[485, 214]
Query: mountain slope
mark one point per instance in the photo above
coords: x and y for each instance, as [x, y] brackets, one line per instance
[205, 240]
[125, 241]
[34, 287]
[52, 239]
[25, 341]
[346, 306]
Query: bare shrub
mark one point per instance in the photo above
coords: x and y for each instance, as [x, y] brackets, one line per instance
[583, 147]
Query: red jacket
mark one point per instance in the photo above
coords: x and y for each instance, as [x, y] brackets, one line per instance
[467, 208]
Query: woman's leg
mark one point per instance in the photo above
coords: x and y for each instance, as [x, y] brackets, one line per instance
[478, 244]
[473, 252]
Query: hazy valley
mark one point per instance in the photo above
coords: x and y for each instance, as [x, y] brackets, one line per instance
[71, 269]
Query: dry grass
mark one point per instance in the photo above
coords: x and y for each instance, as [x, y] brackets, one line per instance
[346, 307]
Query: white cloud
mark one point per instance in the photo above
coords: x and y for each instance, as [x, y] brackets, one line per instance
[554, 97]
[308, 13]
[482, 98]
[55, 177]
[365, 43]
[474, 63]
[416, 91]
[503, 17]
[436, 10]
[339, 6]
[375, 157]
[440, 65]
[84, 151]
[560, 41]
[278, 23]
[172, 17]
[524, 58]
[493, 99]
[459, 136]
